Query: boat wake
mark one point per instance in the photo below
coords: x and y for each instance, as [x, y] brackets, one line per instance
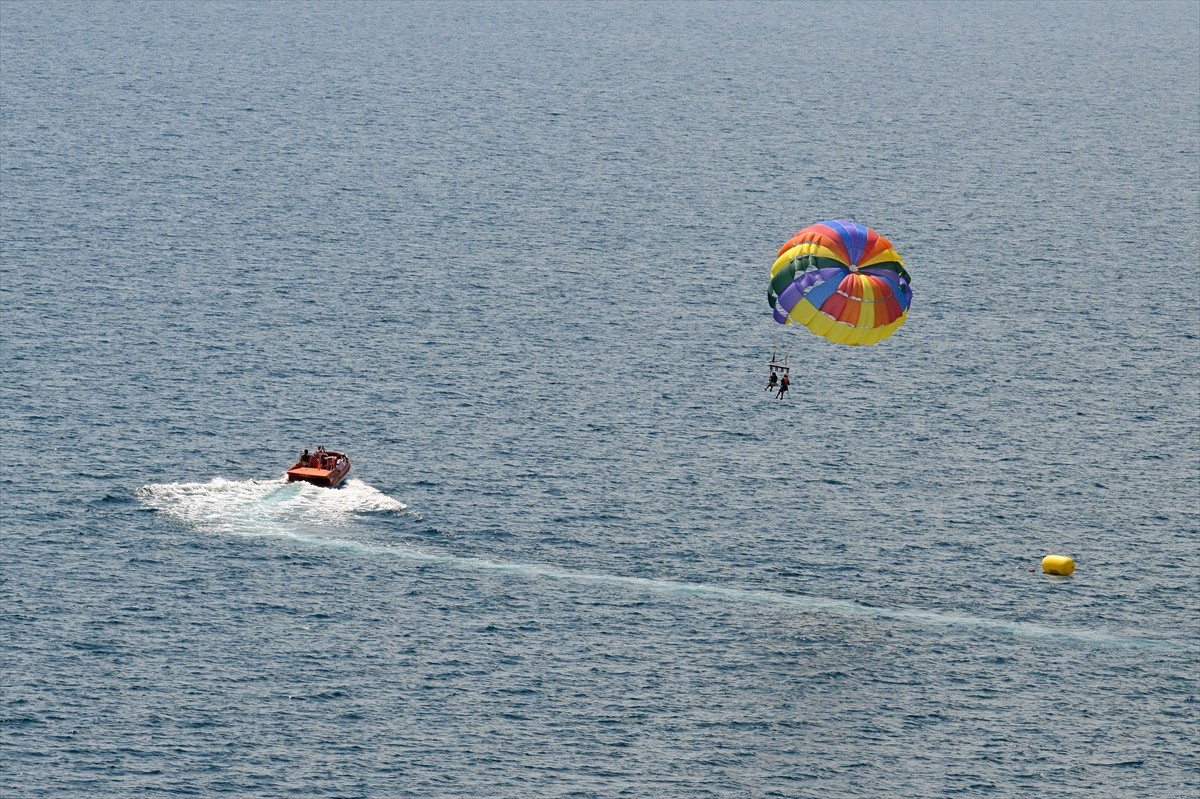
[264, 507]
[310, 515]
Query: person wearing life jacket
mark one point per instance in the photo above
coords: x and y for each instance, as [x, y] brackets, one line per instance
[783, 387]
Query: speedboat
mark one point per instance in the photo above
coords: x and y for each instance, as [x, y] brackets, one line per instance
[325, 468]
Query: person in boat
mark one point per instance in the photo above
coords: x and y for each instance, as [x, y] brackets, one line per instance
[305, 458]
[783, 387]
[772, 381]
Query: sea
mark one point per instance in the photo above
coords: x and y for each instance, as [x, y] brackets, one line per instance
[513, 258]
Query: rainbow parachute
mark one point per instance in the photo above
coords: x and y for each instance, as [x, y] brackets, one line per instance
[842, 281]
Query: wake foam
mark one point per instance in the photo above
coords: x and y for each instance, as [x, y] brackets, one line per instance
[308, 514]
[264, 507]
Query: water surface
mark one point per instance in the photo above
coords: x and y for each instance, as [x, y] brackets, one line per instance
[513, 258]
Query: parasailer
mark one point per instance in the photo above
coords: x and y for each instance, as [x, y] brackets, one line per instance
[841, 280]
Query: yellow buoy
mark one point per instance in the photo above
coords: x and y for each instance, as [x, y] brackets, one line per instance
[1058, 564]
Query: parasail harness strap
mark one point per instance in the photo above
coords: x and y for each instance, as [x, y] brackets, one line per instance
[779, 365]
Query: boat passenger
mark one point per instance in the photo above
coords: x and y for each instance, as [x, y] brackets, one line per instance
[305, 458]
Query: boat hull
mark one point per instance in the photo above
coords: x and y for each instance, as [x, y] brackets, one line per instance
[326, 478]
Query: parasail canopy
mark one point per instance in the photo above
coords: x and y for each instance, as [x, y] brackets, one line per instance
[842, 281]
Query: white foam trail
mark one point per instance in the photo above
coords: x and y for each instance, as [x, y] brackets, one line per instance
[836, 607]
[263, 507]
[276, 508]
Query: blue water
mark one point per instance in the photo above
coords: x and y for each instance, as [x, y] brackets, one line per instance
[513, 258]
